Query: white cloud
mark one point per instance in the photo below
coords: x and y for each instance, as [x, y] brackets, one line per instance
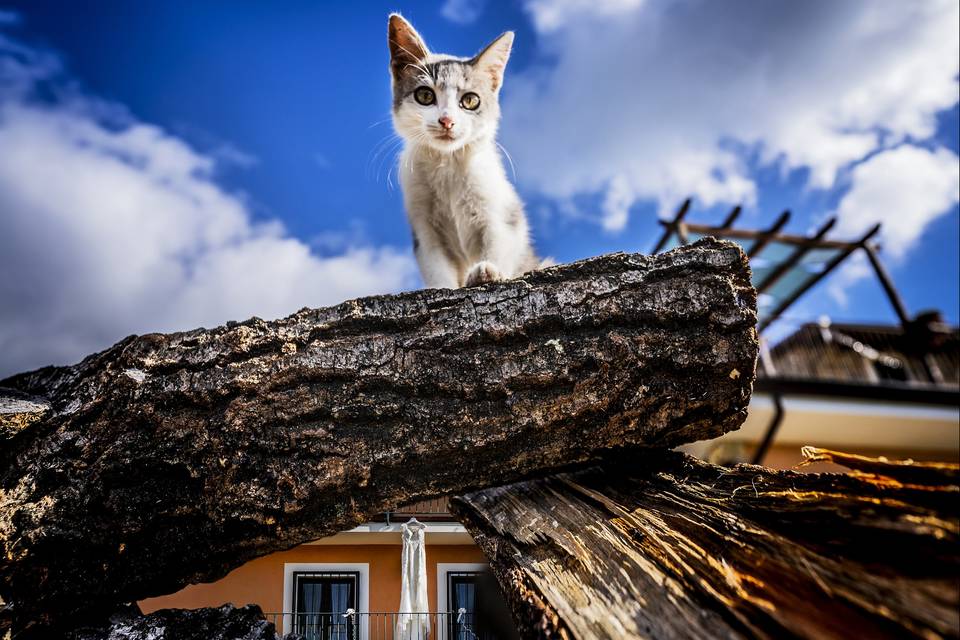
[658, 100]
[114, 228]
[616, 204]
[462, 11]
[905, 188]
[853, 270]
[550, 15]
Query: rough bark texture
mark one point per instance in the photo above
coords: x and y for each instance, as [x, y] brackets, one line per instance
[223, 623]
[171, 459]
[664, 546]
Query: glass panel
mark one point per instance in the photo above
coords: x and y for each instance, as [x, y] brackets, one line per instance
[789, 282]
[321, 600]
[767, 260]
[462, 595]
[810, 266]
[478, 595]
[815, 260]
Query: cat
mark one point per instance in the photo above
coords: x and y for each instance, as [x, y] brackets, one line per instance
[468, 222]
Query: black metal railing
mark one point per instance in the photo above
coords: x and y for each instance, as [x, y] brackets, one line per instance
[357, 625]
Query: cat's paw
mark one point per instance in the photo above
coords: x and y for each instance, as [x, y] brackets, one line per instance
[482, 272]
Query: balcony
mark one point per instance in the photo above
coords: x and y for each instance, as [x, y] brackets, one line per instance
[356, 625]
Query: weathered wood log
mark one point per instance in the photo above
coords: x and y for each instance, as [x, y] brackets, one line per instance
[221, 623]
[662, 545]
[172, 459]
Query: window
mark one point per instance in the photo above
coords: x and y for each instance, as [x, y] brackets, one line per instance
[320, 599]
[476, 593]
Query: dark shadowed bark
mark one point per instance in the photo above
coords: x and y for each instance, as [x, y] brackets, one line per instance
[661, 545]
[171, 459]
[223, 623]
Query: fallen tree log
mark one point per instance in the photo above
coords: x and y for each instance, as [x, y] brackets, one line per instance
[661, 545]
[172, 459]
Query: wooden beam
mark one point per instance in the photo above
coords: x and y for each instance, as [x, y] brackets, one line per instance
[731, 217]
[658, 545]
[671, 226]
[888, 287]
[769, 235]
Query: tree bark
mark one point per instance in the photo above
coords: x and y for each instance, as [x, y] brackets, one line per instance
[661, 545]
[223, 623]
[172, 459]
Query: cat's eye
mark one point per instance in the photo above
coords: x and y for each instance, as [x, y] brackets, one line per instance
[425, 96]
[470, 101]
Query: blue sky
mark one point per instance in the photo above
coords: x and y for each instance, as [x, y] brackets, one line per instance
[174, 164]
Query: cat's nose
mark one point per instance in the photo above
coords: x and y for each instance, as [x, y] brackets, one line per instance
[446, 123]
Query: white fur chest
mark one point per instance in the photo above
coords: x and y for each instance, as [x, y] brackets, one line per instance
[467, 190]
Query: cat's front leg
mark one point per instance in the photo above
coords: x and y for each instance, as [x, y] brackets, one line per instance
[503, 245]
[481, 272]
[437, 268]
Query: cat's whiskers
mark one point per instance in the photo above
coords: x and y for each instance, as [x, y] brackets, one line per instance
[417, 138]
[377, 149]
[395, 157]
[384, 150]
[398, 166]
[381, 144]
[384, 141]
[513, 168]
[389, 161]
[379, 122]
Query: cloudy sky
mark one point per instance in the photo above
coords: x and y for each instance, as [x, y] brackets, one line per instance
[167, 165]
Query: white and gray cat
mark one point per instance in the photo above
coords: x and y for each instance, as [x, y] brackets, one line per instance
[468, 221]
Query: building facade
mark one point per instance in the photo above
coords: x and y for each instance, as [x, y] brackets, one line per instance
[309, 589]
[876, 390]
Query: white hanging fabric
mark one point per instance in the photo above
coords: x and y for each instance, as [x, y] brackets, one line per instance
[413, 623]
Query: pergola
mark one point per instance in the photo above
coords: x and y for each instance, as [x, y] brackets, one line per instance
[785, 266]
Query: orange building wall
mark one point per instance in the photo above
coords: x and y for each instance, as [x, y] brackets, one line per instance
[260, 581]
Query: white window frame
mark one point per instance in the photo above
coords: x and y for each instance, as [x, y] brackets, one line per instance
[443, 568]
[363, 593]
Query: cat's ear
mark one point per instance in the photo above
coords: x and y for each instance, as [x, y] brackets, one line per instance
[493, 59]
[407, 48]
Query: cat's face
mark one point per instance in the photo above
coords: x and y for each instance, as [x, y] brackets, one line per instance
[442, 101]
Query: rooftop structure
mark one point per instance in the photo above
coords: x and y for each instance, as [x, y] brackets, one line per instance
[914, 362]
